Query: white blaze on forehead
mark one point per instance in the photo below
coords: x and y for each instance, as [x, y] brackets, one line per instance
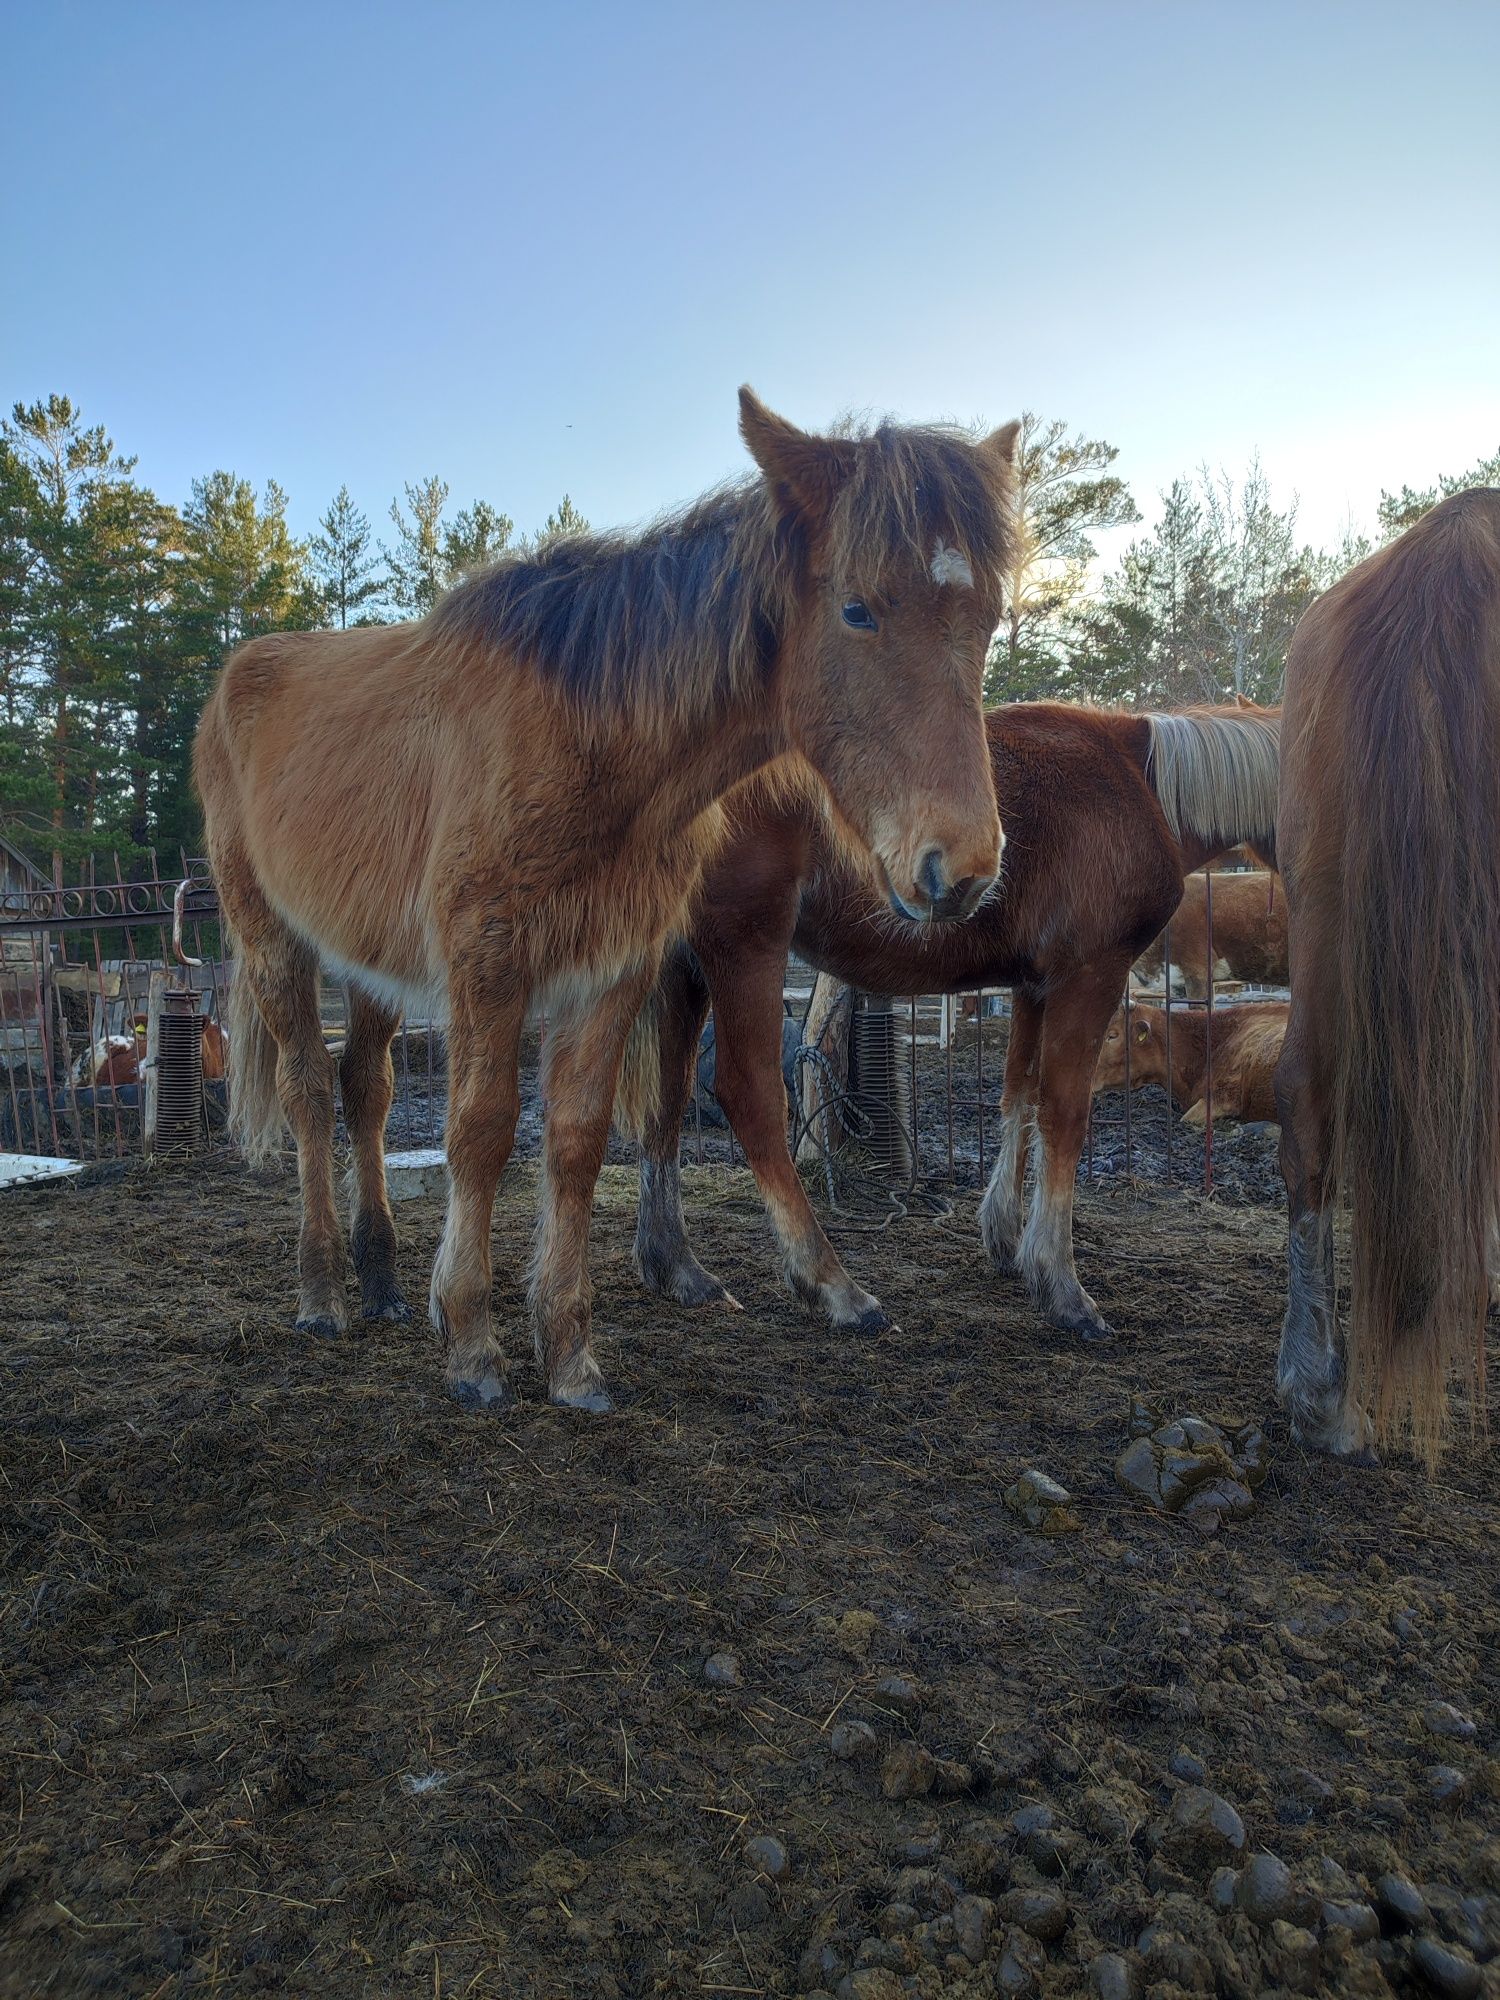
[949, 565]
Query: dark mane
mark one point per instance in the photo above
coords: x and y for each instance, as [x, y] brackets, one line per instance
[698, 602]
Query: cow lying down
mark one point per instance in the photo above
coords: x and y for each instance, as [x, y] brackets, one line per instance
[1246, 1043]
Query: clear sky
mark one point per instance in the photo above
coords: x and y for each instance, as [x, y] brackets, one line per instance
[536, 248]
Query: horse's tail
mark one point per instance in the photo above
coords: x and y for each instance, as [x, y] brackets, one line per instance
[639, 1087]
[1416, 1033]
[255, 1117]
[1216, 771]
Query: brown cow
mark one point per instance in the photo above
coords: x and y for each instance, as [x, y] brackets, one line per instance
[1246, 1044]
[1249, 931]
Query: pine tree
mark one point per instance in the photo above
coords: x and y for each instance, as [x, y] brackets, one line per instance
[346, 571]
[1397, 512]
[415, 570]
[476, 536]
[1064, 491]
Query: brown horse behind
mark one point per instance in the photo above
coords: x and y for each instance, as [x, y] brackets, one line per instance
[1249, 932]
[1389, 1082]
[508, 804]
[1104, 812]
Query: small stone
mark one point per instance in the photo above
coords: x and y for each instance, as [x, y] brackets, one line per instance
[973, 1919]
[908, 1772]
[1143, 1417]
[951, 1779]
[1443, 1719]
[820, 1965]
[872, 1982]
[1042, 1913]
[880, 1951]
[849, 1740]
[747, 1906]
[898, 1694]
[1264, 1890]
[1311, 1786]
[1022, 1963]
[1400, 1902]
[1112, 1976]
[1446, 1786]
[925, 1889]
[896, 1919]
[766, 1853]
[1453, 1974]
[1221, 1889]
[1031, 1819]
[1183, 1764]
[1202, 1828]
[1358, 1919]
[722, 1670]
[1043, 1505]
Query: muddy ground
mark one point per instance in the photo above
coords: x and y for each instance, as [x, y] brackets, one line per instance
[314, 1685]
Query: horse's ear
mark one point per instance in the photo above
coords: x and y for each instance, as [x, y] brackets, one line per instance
[804, 471]
[1000, 447]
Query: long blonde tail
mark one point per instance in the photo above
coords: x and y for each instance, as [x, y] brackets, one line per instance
[639, 1087]
[255, 1117]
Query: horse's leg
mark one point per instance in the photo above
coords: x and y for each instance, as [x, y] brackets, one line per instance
[1078, 1012]
[367, 1085]
[584, 1053]
[663, 1256]
[1310, 1374]
[749, 1085]
[1001, 1211]
[283, 975]
[484, 1042]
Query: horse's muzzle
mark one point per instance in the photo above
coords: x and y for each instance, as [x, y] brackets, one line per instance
[940, 900]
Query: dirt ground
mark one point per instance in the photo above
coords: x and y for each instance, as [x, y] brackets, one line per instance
[314, 1685]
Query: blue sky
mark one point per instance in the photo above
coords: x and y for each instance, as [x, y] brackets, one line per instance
[536, 249]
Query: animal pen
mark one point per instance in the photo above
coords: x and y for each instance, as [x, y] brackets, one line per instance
[107, 986]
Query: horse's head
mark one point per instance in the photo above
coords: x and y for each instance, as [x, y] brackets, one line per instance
[903, 535]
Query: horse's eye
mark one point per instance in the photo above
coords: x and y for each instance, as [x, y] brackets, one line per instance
[858, 614]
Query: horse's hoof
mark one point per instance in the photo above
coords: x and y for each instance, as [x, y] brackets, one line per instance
[487, 1392]
[596, 1400]
[1095, 1332]
[322, 1326]
[692, 1286]
[390, 1306]
[874, 1319]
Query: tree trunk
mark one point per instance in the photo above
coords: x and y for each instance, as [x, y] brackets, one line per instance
[826, 1029]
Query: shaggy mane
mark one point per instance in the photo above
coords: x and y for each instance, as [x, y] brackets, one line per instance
[694, 608]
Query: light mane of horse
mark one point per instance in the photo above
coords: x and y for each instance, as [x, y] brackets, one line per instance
[687, 617]
[1216, 772]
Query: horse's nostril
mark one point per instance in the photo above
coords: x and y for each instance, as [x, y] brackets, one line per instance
[932, 877]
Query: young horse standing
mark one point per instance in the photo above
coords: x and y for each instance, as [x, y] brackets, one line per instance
[1104, 813]
[508, 803]
[1389, 1080]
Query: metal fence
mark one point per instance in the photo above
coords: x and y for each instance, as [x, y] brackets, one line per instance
[76, 970]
